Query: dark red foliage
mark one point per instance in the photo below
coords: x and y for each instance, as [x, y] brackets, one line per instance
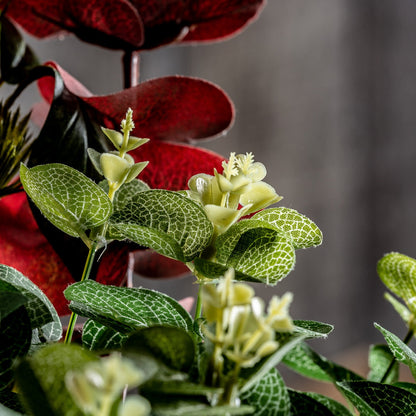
[135, 24]
[171, 165]
[174, 108]
[24, 247]
[148, 263]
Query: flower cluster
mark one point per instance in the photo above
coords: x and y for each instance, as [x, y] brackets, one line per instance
[238, 326]
[237, 192]
[118, 166]
[100, 384]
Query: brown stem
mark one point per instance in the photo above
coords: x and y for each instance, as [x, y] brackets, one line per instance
[131, 68]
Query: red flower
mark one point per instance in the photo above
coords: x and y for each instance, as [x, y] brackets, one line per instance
[135, 24]
[176, 108]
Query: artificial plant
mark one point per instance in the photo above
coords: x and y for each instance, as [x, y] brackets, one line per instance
[141, 352]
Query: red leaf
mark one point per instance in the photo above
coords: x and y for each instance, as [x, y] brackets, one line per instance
[120, 24]
[198, 21]
[24, 247]
[172, 108]
[148, 263]
[171, 165]
[112, 24]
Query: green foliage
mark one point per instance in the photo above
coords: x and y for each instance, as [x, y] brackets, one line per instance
[44, 373]
[166, 221]
[66, 197]
[376, 399]
[399, 349]
[379, 359]
[126, 309]
[22, 302]
[398, 273]
[172, 346]
[299, 229]
[268, 396]
[304, 404]
[98, 337]
[262, 248]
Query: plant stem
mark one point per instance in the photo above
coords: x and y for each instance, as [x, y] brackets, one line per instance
[406, 340]
[85, 275]
[198, 307]
[131, 68]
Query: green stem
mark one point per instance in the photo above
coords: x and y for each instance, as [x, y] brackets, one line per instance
[198, 307]
[406, 340]
[85, 275]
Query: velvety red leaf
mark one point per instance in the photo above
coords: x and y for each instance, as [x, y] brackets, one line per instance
[171, 165]
[24, 247]
[112, 24]
[121, 24]
[174, 108]
[195, 21]
[148, 263]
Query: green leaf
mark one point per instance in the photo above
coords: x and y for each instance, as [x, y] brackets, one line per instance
[251, 376]
[335, 407]
[10, 300]
[41, 378]
[16, 58]
[15, 337]
[269, 396]
[379, 360]
[126, 192]
[305, 404]
[67, 198]
[376, 399]
[164, 406]
[165, 221]
[126, 309]
[212, 270]
[309, 363]
[172, 346]
[399, 349]
[98, 337]
[398, 273]
[313, 329]
[299, 229]
[255, 249]
[300, 359]
[406, 386]
[44, 319]
[11, 401]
